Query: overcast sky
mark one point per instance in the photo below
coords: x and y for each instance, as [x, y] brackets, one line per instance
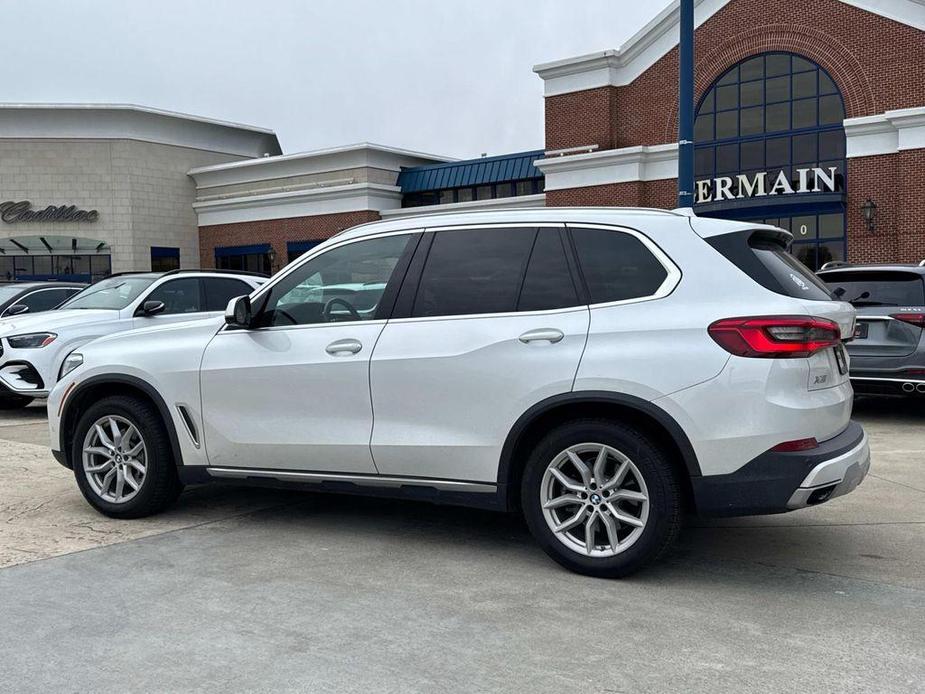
[449, 78]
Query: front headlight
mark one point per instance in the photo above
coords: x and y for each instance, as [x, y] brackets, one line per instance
[71, 362]
[31, 341]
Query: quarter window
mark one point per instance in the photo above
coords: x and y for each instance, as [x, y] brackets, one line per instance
[343, 284]
[617, 266]
[473, 271]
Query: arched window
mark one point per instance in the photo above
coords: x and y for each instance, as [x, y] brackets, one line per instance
[770, 147]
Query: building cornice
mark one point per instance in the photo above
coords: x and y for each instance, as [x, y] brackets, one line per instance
[513, 203]
[131, 122]
[355, 156]
[885, 133]
[619, 67]
[628, 164]
[299, 203]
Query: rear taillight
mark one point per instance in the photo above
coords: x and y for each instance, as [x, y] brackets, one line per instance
[916, 319]
[775, 336]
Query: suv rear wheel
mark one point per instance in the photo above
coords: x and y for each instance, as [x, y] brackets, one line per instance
[600, 498]
[122, 459]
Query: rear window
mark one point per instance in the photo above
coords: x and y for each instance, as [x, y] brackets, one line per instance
[877, 287]
[764, 258]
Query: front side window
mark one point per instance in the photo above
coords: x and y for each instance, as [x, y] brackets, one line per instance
[343, 284]
[220, 290]
[473, 271]
[45, 299]
[113, 293]
[617, 266]
[179, 296]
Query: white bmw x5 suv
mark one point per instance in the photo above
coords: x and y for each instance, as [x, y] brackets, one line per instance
[35, 347]
[603, 370]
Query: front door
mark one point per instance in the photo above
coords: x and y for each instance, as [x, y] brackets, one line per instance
[293, 393]
[495, 326]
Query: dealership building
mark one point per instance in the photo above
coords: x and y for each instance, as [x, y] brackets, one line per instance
[809, 115]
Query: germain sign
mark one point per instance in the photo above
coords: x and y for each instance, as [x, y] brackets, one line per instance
[761, 184]
[14, 212]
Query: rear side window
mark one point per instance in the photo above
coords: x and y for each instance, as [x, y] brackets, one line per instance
[617, 266]
[876, 287]
[548, 283]
[473, 271]
[220, 290]
[764, 258]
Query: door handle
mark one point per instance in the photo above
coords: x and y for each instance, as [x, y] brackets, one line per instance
[343, 347]
[550, 335]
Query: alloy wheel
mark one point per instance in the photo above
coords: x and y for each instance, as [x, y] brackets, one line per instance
[594, 500]
[115, 459]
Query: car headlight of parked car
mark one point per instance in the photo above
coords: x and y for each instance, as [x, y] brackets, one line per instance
[71, 362]
[31, 341]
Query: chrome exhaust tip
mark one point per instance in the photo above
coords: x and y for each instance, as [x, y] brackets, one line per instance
[920, 388]
[908, 387]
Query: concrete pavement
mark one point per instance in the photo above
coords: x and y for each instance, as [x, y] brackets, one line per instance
[258, 591]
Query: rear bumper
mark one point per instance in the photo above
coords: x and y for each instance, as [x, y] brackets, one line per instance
[778, 482]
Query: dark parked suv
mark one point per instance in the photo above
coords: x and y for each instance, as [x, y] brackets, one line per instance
[888, 349]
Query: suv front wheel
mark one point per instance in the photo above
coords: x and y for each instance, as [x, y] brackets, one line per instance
[122, 459]
[600, 498]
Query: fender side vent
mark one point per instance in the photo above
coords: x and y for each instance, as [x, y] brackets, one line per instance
[189, 423]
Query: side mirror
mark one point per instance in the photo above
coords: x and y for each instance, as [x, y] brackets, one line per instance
[238, 312]
[16, 310]
[152, 308]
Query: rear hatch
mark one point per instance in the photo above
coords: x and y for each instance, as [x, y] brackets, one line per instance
[888, 302]
[762, 255]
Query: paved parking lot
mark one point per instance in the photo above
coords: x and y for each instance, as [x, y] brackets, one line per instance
[240, 589]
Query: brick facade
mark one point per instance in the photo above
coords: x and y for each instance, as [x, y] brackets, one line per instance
[877, 63]
[277, 232]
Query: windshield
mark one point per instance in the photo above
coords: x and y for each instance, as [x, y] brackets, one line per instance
[877, 288]
[112, 293]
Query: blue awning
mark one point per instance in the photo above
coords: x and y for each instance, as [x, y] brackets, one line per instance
[474, 172]
[243, 250]
[164, 252]
[300, 246]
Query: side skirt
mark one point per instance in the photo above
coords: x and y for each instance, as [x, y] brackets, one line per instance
[453, 492]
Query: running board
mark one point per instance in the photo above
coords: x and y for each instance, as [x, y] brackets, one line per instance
[359, 480]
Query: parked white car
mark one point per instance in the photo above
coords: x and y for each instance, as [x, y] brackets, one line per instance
[34, 346]
[601, 369]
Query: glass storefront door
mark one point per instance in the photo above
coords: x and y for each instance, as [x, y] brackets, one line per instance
[817, 238]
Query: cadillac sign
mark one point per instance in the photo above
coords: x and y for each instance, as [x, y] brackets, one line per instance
[14, 212]
[814, 180]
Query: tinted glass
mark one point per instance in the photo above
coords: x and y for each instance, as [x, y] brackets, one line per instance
[179, 296]
[112, 293]
[794, 278]
[45, 299]
[220, 290]
[548, 282]
[877, 288]
[343, 284]
[617, 266]
[473, 271]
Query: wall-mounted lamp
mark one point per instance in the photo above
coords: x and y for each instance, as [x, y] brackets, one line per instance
[271, 256]
[869, 210]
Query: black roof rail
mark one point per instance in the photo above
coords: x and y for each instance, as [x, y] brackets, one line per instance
[832, 264]
[248, 273]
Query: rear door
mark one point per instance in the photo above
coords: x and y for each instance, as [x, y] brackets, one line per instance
[879, 296]
[489, 322]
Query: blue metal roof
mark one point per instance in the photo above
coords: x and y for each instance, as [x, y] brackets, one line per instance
[473, 172]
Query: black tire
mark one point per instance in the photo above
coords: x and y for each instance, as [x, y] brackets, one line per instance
[660, 477]
[14, 402]
[160, 486]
